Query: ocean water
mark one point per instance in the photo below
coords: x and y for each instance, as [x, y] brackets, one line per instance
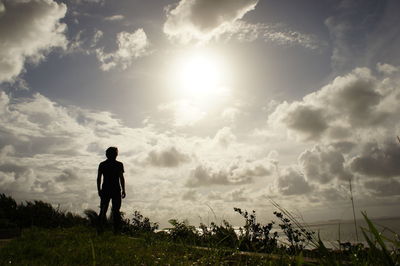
[333, 231]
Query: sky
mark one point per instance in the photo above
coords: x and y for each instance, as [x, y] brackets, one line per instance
[213, 104]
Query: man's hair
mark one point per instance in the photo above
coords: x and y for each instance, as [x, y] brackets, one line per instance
[112, 152]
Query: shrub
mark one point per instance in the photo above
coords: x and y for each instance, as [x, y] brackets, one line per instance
[182, 231]
[297, 237]
[139, 224]
[255, 236]
[36, 213]
[219, 235]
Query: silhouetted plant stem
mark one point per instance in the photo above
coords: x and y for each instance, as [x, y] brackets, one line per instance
[354, 212]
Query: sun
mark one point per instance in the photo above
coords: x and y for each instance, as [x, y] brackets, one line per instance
[200, 74]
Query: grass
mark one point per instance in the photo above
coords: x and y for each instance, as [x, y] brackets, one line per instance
[53, 237]
[82, 246]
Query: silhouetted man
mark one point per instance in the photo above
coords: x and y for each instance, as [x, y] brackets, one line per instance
[113, 179]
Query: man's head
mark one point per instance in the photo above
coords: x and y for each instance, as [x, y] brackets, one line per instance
[112, 153]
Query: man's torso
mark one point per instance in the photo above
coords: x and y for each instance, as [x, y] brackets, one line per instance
[111, 170]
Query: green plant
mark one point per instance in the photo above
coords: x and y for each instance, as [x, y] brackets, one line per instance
[255, 236]
[218, 235]
[138, 224]
[379, 251]
[182, 231]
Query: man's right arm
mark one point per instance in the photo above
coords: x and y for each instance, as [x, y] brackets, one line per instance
[99, 173]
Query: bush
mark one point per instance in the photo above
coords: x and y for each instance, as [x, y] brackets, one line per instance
[219, 235]
[138, 225]
[183, 232]
[254, 236]
[36, 213]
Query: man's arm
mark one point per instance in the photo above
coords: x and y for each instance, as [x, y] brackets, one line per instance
[99, 173]
[122, 180]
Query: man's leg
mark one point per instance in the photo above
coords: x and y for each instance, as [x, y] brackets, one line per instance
[104, 202]
[116, 205]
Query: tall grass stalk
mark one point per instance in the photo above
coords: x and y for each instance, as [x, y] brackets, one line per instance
[354, 212]
[378, 249]
[93, 253]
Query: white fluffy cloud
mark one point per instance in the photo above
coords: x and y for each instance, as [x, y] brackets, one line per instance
[352, 103]
[130, 46]
[352, 125]
[238, 172]
[204, 19]
[167, 157]
[51, 152]
[28, 30]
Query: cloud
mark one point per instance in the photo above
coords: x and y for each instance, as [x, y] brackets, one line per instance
[167, 157]
[238, 195]
[101, 2]
[277, 34]
[224, 137]
[67, 175]
[114, 18]
[206, 176]
[130, 46]
[231, 114]
[42, 144]
[28, 30]
[307, 120]
[323, 164]
[190, 195]
[204, 19]
[377, 160]
[352, 124]
[384, 188]
[363, 33]
[292, 182]
[185, 113]
[236, 173]
[357, 101]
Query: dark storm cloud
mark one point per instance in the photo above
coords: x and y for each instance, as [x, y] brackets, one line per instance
[28, 30]
[378, 160]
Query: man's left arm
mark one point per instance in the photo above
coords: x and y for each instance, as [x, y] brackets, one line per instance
[99, 173]
[122, 181]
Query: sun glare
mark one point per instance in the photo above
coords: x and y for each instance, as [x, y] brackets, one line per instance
[200, 74]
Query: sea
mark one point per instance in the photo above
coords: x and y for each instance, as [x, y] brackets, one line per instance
[333, 231]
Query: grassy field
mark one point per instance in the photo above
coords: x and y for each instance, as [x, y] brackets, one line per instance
[54, 237]
[82, 246]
